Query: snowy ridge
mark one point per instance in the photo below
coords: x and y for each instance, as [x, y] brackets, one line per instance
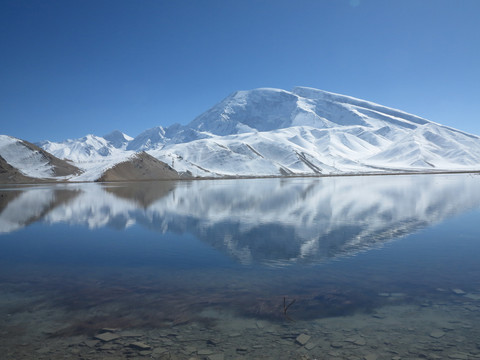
[149, 139]
[118, 139]
[85, 149]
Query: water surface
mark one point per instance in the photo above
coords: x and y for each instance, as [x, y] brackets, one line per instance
[307, 268]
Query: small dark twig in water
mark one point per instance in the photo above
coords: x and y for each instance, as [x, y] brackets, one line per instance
[285, 308]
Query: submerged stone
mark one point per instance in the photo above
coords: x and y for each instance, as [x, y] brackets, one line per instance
[437, 334]
[140, 345]
[108, 330]
[216, 357]
[107, 336]
[302, 339]
[473, 296]
[130, 334]
[459, 356]
[204, 352]
[91, 343]
[357, 341]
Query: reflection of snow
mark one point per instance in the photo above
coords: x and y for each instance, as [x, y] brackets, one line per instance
[28, 206]
[262, 219]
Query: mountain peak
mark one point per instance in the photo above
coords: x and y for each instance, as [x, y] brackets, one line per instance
[149, 139]
[118, 139]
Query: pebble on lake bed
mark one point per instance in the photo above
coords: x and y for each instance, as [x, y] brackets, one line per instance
[107, 336]
[302, 339]
[140, 345]
[437, 334]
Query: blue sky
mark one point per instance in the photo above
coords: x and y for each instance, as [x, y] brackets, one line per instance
[71, 67]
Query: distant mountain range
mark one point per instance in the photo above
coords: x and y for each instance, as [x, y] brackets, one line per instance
[261, 132]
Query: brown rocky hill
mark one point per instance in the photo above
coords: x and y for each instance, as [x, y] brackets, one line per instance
[141, 166]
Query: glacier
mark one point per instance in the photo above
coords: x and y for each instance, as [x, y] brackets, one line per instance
[274, 132]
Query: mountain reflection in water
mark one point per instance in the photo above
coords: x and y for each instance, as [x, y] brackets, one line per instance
[264, 221]
[204, 268]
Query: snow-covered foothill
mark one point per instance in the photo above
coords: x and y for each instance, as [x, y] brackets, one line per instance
[30, 162]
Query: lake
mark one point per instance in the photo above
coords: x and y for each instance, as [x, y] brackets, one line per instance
[367, 267]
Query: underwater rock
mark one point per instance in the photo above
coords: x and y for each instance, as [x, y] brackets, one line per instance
[107, 336]
[437, 334]
[302, 339]
[140, 345]
[216, 357]
[91, 343]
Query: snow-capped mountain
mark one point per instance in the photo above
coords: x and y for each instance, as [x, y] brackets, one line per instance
[309, 131]
[89, 147]
[118, 139]
[272, 132]
[149, 139]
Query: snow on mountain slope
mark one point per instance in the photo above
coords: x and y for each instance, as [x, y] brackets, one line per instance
[88, 148]
[270, 109]
[309, 131]
[296, 150]
[267, 109]
[431, 146]
[32, 161]
[304, 150]
[93, 154]
[149, 139]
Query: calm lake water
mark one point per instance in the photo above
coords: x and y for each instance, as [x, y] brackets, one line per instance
[377, 267]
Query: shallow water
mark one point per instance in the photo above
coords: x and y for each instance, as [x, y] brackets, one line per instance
[382, 267]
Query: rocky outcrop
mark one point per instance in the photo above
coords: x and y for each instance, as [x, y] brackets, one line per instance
[140, 166]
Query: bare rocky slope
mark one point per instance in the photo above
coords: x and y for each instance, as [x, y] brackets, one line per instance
[140, 166]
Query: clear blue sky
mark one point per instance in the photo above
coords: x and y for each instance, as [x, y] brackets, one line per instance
[73, 67]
